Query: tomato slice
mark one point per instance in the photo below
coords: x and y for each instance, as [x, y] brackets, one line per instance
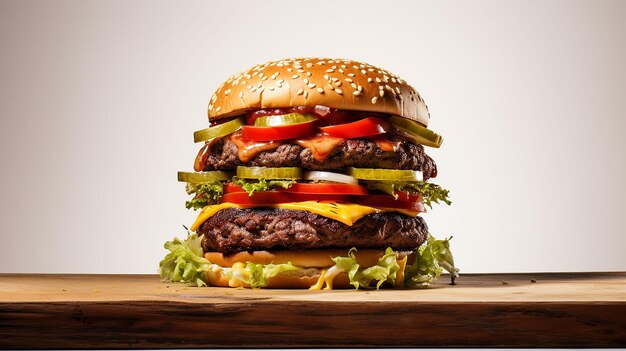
[310, 189]
[388, 201]
[326, 188]
[232, 188]
[278, 197]
[290, 131]
[365, 127]
[322, 192]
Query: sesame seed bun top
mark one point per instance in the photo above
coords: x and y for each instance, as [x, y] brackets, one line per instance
[336, 83]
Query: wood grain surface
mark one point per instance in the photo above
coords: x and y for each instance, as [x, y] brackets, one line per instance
[138, 311]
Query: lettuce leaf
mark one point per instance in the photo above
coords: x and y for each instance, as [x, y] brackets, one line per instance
[250, 186]
[185, 262]
[257, 275]
[430, 192]
[384, 271]
[432, 258]
[205, 194]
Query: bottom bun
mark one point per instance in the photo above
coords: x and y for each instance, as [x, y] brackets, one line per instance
[311, 263]
[322, 258]
[300, 279]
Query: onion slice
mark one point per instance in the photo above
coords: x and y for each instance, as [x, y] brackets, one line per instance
[330, 177]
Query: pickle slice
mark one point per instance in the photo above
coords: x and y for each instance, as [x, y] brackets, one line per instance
[413, 130]
[385, 174]
[281, 120]
[217, 131]
[269, 172]
[203, 177]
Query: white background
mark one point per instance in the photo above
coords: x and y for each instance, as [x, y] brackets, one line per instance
[99, 99]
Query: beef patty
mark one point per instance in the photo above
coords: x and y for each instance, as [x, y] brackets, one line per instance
[349, 153]
[233, 230]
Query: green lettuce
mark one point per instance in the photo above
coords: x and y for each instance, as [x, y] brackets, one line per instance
[185, 262]
[257, 275]
[430, 192]
[250, 186]
[204, 194]
[432, 258]
[384, 271]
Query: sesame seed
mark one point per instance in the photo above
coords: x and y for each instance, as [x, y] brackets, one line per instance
[295, 76]
[380, 87]
[300, 70]
[241, 94]
[311, 86]
[309, 65]
[306, 81]
[356, 93]
[369, 79]
[281, 81]
[344, 66]
[374, 99]
[306, 94]
[300, 91]
[331, 87]
[330, 70]
[334, 79]
[326, 77]
[338, 83]
[348, 80]
[334, 67]
[338, 91]
[387, 87]
[271, 88]
[351, 74]
[218, 109]
[381, 93]
[320, 90]
[363, 71]
[393, 80]
[397, 90]
[264, 78]
[253, 89]
[360, 88]
[378, 80]
[308, 74]
[370, 69]
[355, 67]
[353, 85]
[288, 70]
[340, 71]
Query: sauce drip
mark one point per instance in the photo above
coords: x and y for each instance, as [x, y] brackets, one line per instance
[249, 148]
[321, 145]
[203, 155]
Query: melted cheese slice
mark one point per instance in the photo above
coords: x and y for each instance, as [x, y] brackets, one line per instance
[344, 213]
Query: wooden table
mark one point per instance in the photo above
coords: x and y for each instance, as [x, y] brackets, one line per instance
[138, 311]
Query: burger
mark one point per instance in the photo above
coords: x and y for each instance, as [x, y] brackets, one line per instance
[312, 173]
